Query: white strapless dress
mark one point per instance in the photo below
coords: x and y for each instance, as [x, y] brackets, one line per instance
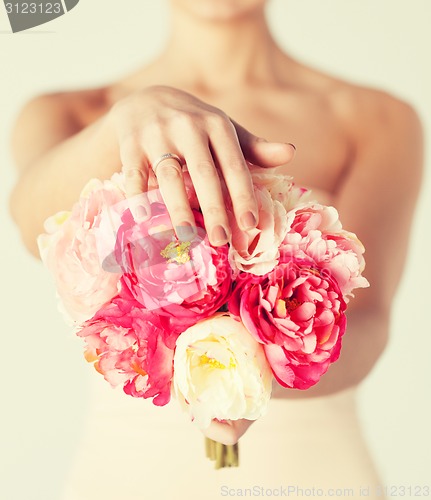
[132, 450]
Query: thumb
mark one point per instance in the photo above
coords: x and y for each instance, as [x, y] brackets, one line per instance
[261, 152]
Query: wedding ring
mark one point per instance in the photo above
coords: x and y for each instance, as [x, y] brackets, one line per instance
[164, 157]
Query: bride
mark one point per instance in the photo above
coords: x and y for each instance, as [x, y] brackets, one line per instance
[222, 92]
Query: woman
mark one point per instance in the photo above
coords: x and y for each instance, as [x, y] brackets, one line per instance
[220, 87]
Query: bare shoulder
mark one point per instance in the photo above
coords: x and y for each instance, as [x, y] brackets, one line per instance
[69, 104]
[382, 128]
[48, 119]
[369, 112]
[362, 111]
[382, 132]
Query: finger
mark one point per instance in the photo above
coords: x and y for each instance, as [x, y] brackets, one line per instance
[135, 167]
[261, 152]
[206, 182]
[236, 173]
[135, 170]
[171, 184]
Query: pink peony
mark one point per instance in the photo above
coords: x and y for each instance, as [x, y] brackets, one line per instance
[316, 233]
[297, 313]
[187, 280]
[310, 216]
[70, 251]
[346, 261]
[132, 347]
[257, 251]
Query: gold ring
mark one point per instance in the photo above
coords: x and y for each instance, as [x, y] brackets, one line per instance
[164, 157]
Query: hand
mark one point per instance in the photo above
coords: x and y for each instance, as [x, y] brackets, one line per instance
[227, 431]
[161, 120]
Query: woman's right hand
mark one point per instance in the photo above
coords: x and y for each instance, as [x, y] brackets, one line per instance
[160, 120]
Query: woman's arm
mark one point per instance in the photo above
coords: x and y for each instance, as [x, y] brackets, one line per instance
[376, 200]
[56, 158]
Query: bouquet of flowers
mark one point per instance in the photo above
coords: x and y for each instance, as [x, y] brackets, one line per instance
[164, 315]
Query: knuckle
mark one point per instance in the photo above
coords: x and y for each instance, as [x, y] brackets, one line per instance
[148, 130]
[121, 110]
[236, 164]
[180, 213]
[206, 169]
[213, 211]
[154, 129]
[116, 109]
[169, 170]
[245, 198]
[131, 154]
[130, 141]
[219, 121]
[181, 120]
[132, 173]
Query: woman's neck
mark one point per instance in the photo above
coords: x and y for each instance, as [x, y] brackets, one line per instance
[215, 55]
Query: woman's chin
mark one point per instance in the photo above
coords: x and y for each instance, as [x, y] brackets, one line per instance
[220, 10]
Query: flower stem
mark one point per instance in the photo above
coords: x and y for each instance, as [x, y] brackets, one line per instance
[223, 455]
[219, 455]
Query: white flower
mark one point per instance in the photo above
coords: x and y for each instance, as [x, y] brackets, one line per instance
[280, 187]
[256, 250]
[221, 372]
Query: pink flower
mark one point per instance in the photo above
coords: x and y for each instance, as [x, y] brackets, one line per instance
[132, 347]
[311, 216]
[257, 250]
[297, 313]
[187, 280]
[70, 251]
[316, 233]
[345, 261]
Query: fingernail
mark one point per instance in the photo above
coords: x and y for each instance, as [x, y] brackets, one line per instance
[219, 235]
[186, 232]
[140, 214]
[248, 220]
[293, 145]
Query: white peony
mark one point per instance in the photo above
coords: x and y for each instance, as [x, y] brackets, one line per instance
[280, 187]
[221, 372]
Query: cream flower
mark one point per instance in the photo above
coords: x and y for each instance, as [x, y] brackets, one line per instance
[221, 372]
[280, 187]
[256, 250]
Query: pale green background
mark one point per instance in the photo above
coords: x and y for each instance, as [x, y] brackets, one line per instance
[43, 375]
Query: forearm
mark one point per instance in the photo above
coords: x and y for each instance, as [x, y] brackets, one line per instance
[54, 181]
[363, 343]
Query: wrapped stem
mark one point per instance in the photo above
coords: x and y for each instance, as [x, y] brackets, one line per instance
[223, 455]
